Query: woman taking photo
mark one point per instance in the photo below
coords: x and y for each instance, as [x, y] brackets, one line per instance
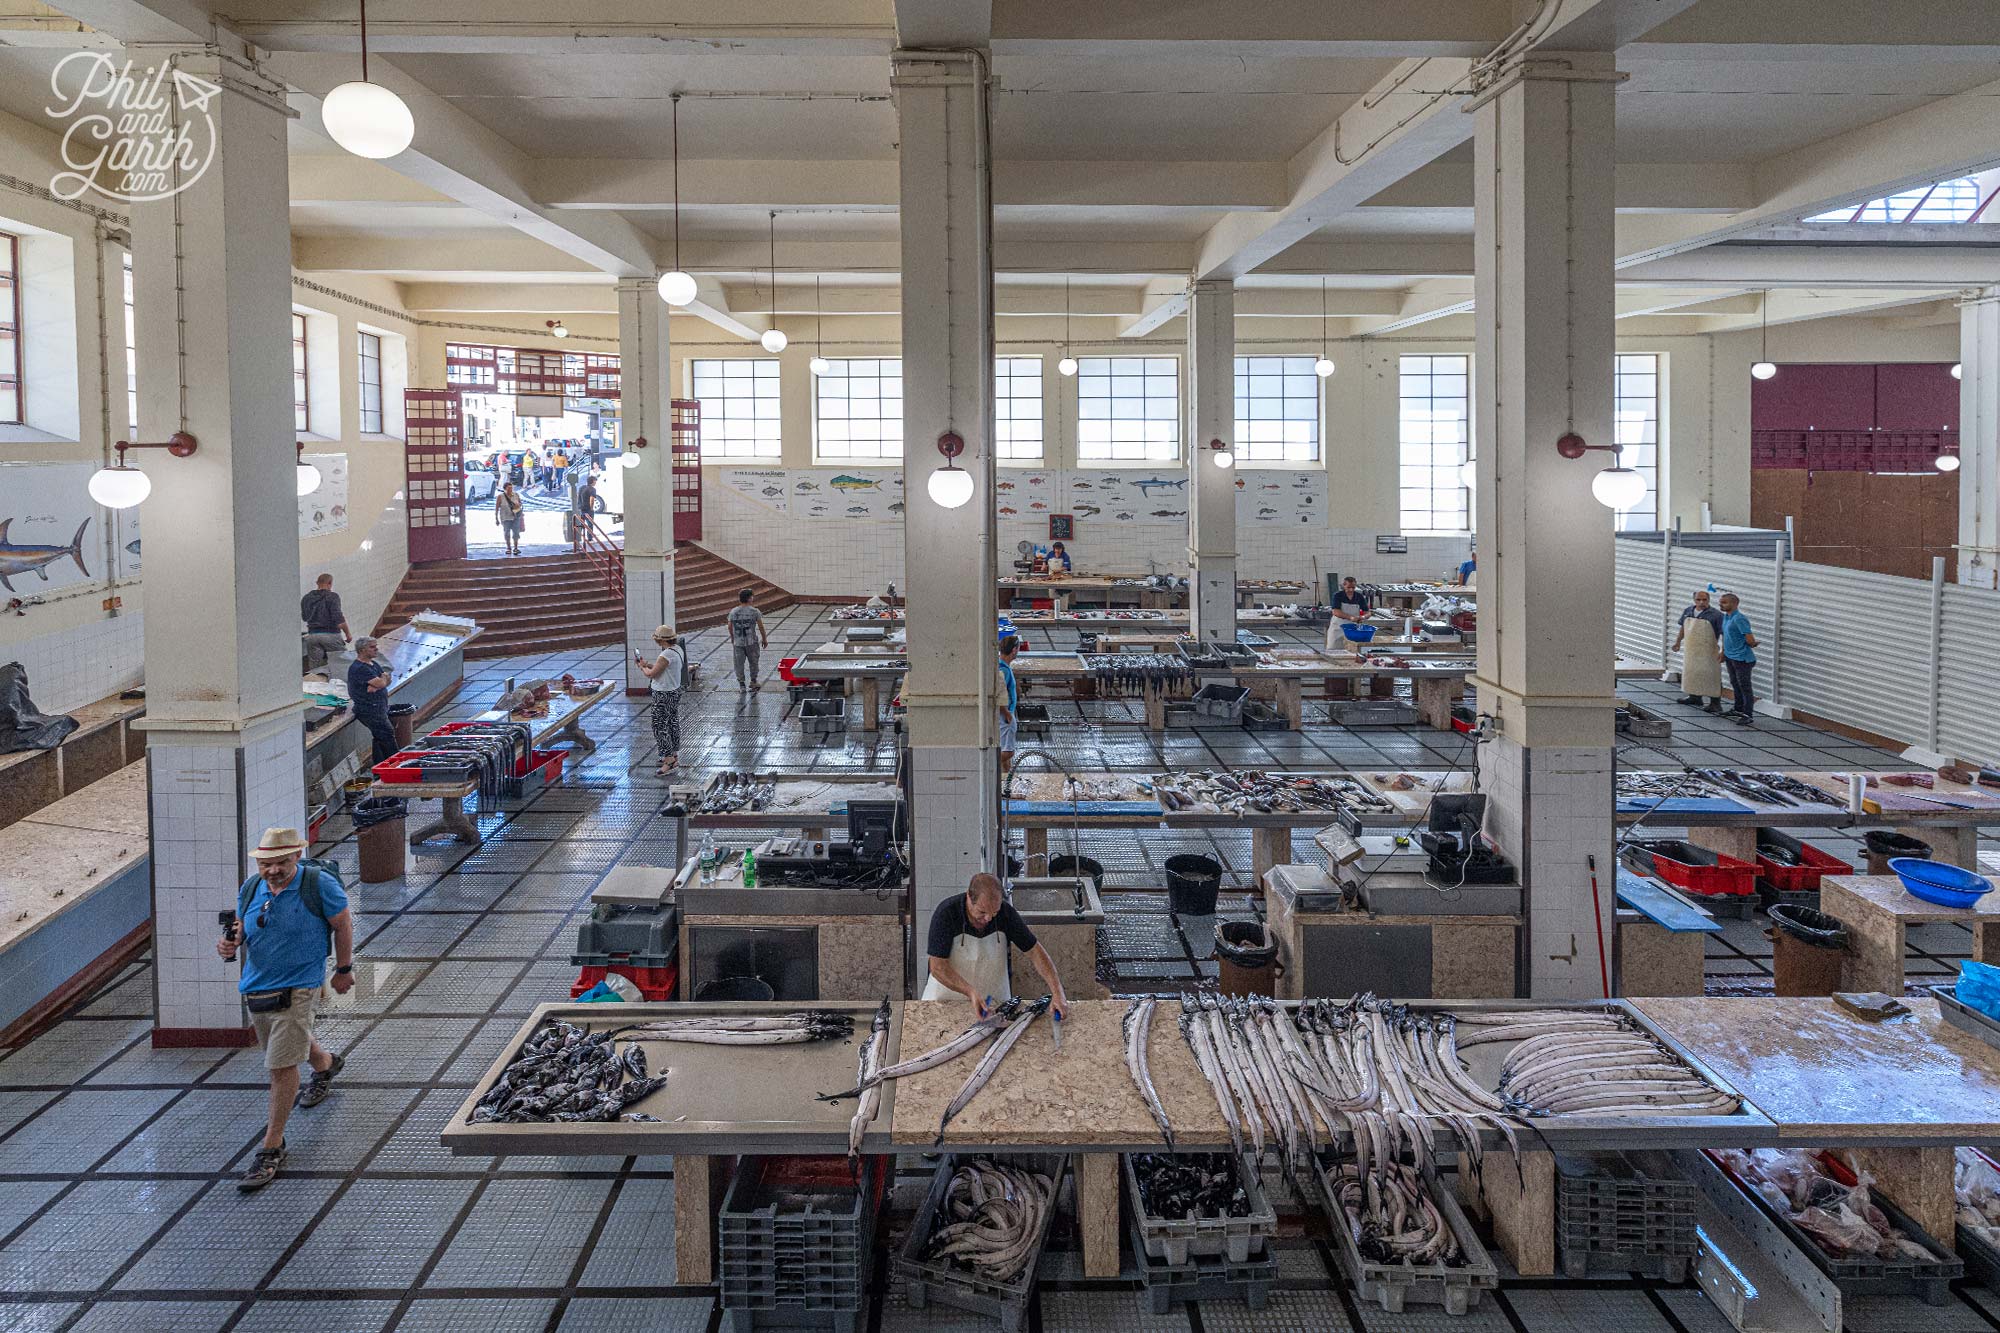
[507, 509]
[668, 673]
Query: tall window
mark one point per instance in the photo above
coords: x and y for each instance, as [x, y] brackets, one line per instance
[1277, 409]
[299, 371]
[739, 408]
[858, 409]
[1128, 409]
[1434, 430]
[131, 354]
[1636, 426]
[371, 384]
[1017, 407]
[1945, 201]
[10, 329]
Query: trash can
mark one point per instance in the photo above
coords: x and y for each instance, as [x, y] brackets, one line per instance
[1248, 957]
[1081, 866]
[1192, 884]
[1806, 948]
[1881, 846]
[403, 721]
[734, 988]
[379, 823]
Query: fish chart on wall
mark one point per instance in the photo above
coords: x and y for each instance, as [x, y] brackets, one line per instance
[1131, 497]
[52, 534]
[1280, 497]
[834, 495]
[767, 486]
[325, 509]
[127, 522]
[1028, 496]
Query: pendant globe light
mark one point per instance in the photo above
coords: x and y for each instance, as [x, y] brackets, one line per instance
[819, 364]
[1066, 366]
[774, 339]
[365, 118]
[308, 473]
[1763, 369]
[677, 285]
[1958, 370]
[1324, 366]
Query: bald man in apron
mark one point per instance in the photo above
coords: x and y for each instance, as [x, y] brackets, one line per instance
[969, 936]
[1700, 644]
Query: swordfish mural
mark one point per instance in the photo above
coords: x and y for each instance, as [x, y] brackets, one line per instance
[18, 558]
[52, 534]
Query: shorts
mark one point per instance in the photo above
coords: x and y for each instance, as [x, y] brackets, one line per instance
[1007, 733]
[286, 1035]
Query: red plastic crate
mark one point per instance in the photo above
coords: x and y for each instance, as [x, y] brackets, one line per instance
[393, 768]
[654, 983]
[1706, 872]
[1802, 878]
[785, 665]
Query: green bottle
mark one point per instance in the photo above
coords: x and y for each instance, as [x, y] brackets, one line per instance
[749, 869]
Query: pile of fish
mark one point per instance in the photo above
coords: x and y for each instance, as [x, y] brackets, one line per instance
[1136, 673]
[992, 1219]
[1977, 1186]
[1780, 789]
[761, 1030]
[1097, 789]
[730, 792]
[565, 1073]
[1206, 791]
[1005, 1026]
[1188, 1187]
[1591, 1062]
[1392, 1217]
[1842, 1219]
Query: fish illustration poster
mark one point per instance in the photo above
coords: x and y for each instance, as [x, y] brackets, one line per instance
[52, 534]
[325, 510]
[1266, 497]
[1129, 497]
[767, 486]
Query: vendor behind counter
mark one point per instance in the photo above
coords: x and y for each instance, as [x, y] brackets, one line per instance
[968, 943]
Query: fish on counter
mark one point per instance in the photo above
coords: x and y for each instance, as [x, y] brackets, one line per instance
[793, 1029]
[1138, 1025]
[567, 1074]
[869, 1060]
[982, 1030]
[18, 558]
[982, 1073]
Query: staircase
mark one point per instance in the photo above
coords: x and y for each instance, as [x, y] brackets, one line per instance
[536, 603]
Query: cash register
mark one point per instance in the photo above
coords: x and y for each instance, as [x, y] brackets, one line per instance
[869, 859]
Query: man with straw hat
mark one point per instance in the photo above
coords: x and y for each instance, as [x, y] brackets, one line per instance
[287, 916]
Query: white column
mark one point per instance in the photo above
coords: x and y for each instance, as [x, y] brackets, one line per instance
[225, 748]
[645, 411]
[947, 219]
[1979, 439]
[1211, 416]
[1542, 366]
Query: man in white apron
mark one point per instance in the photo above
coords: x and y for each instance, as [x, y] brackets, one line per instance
[969, 936]
[1699, 643]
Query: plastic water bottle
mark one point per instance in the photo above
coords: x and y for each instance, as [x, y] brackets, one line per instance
[749, 869]
[707, 858]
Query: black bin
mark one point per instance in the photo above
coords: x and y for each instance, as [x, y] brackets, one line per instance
[1806, 950]
[403, 721]
[1880, 845]
[1192, 884]
[1081, 866]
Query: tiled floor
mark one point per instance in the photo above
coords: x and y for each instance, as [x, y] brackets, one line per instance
[117, 1207]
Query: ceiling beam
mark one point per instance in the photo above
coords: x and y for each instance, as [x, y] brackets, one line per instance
[1650, 187]
[1752, 266]
[500, 253]
[145, 22]
[944, 25]
[1269, 29]
[1791, 30]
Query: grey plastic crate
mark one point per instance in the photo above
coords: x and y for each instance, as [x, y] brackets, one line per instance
[1981, 1257]
[948, 1284]
[614, 934]
[1394, 1286]
[823, 717]
[1205, 1280]
[1033, 719]
[1371, 712]
[791, 1250]
[1177, 1240]
[1668, 1268]
[1220, 703]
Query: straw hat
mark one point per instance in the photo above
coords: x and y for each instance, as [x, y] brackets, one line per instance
[278, 843]
[664, 634]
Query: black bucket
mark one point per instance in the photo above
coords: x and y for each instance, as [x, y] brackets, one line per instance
[374, 810]
[734, 988]
[1809, 924]
[1192, 884]
[1245, 943]
[1885, 843]
[1083, 866]
[1807, 951]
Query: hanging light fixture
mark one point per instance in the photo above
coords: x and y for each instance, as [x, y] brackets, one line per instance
[309, 477]
[819, 364]
[951, 485]
[1946, 462]
[1617, 487]
[1763, 369]
[557, 329]
[628, 457]
[121, 485]
[774, 339]
[1222, 454]
[1324, 366]
[1958, 370]
[1066, 366]
[365, 118]
[1468, 474]
[677, 286]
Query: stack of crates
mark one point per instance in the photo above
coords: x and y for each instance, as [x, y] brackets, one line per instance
[641, 944]
[1210, 1259]
[1614, 1214]
[797, 1242]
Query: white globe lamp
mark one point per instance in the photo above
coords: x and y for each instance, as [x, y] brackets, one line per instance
[677, 288]
[1066, 366]
[1946, 462]
[1618, 488]
[1958, 370]
[629, 460]
[1763, 370]
[774, 341]
[119, 487]
[309, 478]
[1468, 475]
[950, 487]
[1323, 367]
[821, 366]
[368, 120]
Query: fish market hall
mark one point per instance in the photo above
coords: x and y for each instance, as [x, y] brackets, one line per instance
[1013, 665]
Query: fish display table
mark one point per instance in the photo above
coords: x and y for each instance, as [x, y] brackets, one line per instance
[451, 819]
[102, 743]
[870, 670]
[1136, 589]
[1877, 911]
[564, 720]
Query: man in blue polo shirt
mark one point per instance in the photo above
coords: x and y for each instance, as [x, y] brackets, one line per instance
[1738, 659]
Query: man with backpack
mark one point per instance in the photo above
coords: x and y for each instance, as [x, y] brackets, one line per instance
[747, 639]
[287, 916]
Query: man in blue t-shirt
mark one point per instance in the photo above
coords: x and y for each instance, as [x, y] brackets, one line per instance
[368, 696]
[1738, 659]
[1468, 567]
[284, 926]
[1010, 720]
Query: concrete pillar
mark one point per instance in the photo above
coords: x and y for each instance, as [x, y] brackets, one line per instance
[225, 747]
[645, 411]
[1211, 363]
[1542, 366]
[1979, 439]
[947, 220]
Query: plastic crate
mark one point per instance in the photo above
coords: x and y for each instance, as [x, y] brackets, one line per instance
[1695, 869]
[1204, 1280]
[1032, 719]
[1394, 1286]
[1371, 712]
[1259, 716]
[1800, 878]
[656, 984]
[960, 1288]
[796, 1237]
[1612, 1215]
[396, 768]
[823, 717]
[613, 935]
[1177, 1240]
[1220, 703]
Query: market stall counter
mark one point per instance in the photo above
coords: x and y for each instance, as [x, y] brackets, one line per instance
[1877, 911]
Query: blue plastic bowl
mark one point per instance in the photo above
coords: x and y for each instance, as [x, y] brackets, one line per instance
[1936, 882]
[1358, 633]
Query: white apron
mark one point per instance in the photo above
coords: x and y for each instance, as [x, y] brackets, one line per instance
[983, 964]
[1701, 673]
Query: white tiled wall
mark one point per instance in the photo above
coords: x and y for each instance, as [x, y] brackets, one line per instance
[82, 664]
[954, 788]
[1549, 809]
[366, 580]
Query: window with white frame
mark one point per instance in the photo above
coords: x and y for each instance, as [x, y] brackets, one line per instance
[1943, 201]
[10, 330]
[739, 408]
[1434, 431]
[299, 414]
[131, 354]
[1128, 409]
[371, 384]
[858, 409]
[1636, 427]
[1277, 410]
[1017, 408]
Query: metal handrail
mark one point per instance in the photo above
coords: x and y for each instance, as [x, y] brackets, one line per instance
[609, 559]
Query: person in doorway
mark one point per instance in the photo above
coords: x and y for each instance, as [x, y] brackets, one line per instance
[668, 673]
[747, 639]
[1350, 607]
[1009, 698]
[1059, 561]
[1699, 642]
[582, 512]
[368, 696]
[326, 623]
[1467, 568]
[509, 509]
[558, 468]
[517, 471]
[969, 935]
[1738, 659]
[288, 916]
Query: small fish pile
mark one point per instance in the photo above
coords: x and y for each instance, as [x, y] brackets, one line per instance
[1188, 1187]
[993, 1217]
[1842, 1219]
[565, 1073]
[1249, 791]
[1097, 789]
[761, 1030]
[1392, 1217]
[1591, 1062]
[729, 792]
[1136, 673]
[1767, 788]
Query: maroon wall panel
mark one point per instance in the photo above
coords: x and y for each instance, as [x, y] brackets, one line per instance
[1915, 396]
[1814, 397]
